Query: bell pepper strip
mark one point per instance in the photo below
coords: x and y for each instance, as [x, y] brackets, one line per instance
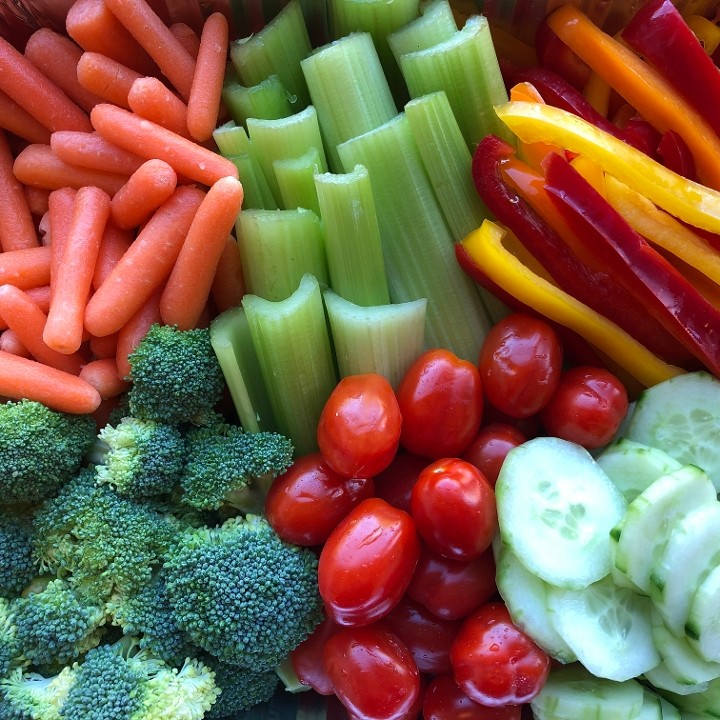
[692, 202]
[675, 155]
[553, 54]
[597, 92]
[485, 248]
[706, 31]
[642, 86]
[656, 286]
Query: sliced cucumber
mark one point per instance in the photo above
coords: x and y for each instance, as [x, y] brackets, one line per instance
[703, 622]
[668, 710]
[619, 577]
[704, 702]
[555, 511]
[682, 417]
[651, 708]
[662, 679]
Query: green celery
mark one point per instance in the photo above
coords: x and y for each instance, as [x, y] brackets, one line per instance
[352, 237]
[384, 339]
[435, 24]
[257, 194]
[417, 243]
[231, 139]
[296, 180]
[268, 100]
[292, 341]
[278, 247]
[348, 89]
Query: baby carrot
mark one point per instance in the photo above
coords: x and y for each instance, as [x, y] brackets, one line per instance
[150, 140]
[188, 287]
[17, 230]
[206, 88]
[59, 390]
[37, 199]
[102, 347]
[228, 286]
[145, 191]
[71, 287]
[39, 295]
[61, 205]
[25, 268]
[115, 243]
[187, 37]
[153, 100]
[135, 329]
[106, 77]
[11, 343]
[20, 122]
[145, 265]
[102, 374]
[90, 150]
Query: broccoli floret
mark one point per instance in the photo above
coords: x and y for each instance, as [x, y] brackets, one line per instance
[17, 560]
[223, 459]
[241, 689]
[175, 376]
[32, 696]
[10, 652]
[144, 457]
[39, 449]
[242, 593]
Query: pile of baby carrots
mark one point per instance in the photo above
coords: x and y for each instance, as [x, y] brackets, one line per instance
[115, 210]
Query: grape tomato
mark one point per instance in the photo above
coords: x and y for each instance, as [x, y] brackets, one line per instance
[395, 483]
[491, 445]
[444, 700]
[307, 658]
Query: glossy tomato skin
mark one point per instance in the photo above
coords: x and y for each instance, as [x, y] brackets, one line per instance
[490, 447]
[396, 482]
[372, 671]
[305, 504]
[359, 428]
[587, 407]
[494, 662]
[367, 562]
[520, 364]
[453, 506]
[444, 700]
[440, 398]
[307, 658]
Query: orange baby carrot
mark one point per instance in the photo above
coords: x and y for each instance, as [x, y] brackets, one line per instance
[25, 268]
[103, 347]
[145, 265]
[20, 122]
[228, 286]
[102, 374]
[204, 100]
[90, 150]
[188, 287]
[153, 100]
[187, 37]
[145, 191]
[106, 77]
[40, 296]
[37, 199]
[11, 343]
[150, 140]
[24, 378]
[135, 329]
[61, 205]
[17, 230]
[115, 243]
[153, 35]
[71, 287]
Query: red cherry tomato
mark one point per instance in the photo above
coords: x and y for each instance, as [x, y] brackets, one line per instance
[453, 506]
[488, 450]
[359, 428]
[305, 503]
[307, 658]
[440, 399]
[587, 407]
[520, 364]
[367, 562]
[452, 589]
[494, 662]
[372, 671]
[396, 482]
[444, 700]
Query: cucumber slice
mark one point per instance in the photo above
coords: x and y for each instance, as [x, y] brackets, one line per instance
[555, 511]
[619, 577]
[682, 417]
[662, 679]
[704, 702]
[651, 709]
[607, 627]
[703, 622]
[644, 531]
[668, 710]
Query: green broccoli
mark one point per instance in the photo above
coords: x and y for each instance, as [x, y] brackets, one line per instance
[17, 560]
[175, 375]
[40, 449]
[242, 593]
[241, 689]
[32, 696]
[10, 652]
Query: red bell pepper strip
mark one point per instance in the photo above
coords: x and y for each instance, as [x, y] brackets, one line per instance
[675, 155]
[554, 54]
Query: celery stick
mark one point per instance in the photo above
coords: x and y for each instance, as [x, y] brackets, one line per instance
[382, 339]
[231, 139]
[255, 186]
[466, 68]
[268, 100]
[278, 247]
[293, 346]
[417, 243]
[348, 89]
[296, 180]
[435, 24]
[352, 237]
[230, 339]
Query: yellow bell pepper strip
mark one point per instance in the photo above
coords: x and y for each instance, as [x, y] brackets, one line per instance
[597, 92]
[484, 247]
[689, 201]
[642, 86]
[706, 31]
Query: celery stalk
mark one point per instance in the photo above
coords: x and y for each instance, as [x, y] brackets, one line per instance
[268, 100]
[231, 139]
[352, 237]
[278, 247]
[296, 180]
[417, 243]
[383, 339]
[348, 89]
[255, 186]
[293, 346]
[435, 24]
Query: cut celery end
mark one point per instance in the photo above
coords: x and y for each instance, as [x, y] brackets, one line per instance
[466, 68]
[231, 139]
[293, 345]
[349, 90]
[435, 24]
[384, 339]
[277, 49]
[352, 237]
[257, 194]
[296, 180]
[278, 247]
[417, 244]
[231, 341]
[268, 100]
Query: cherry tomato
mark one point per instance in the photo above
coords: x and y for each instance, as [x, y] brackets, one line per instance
[359, 428]
[396, 482]
[587, 407]
[444, 700]
[488, 450]
[452, 589]
[453, 506]
[520, 364]
[305, 503]
[372, 671]
[307, 658]
[367, 562]
[494, 662]
[440, 399]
